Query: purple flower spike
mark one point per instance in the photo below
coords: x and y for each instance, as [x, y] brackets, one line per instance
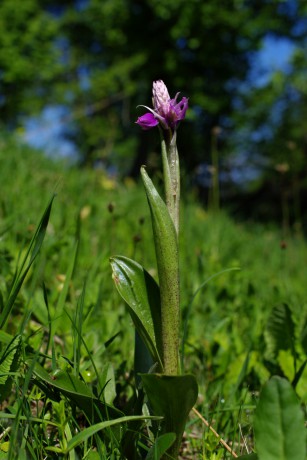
[147, 121]
[160, 94]
[167, 112]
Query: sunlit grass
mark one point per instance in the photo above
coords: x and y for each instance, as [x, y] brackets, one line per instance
[68, 310]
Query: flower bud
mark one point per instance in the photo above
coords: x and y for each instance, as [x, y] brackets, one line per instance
[160, 94]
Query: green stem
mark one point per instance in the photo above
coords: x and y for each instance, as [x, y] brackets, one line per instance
[173, 159]
[167, 178]
[171, 175]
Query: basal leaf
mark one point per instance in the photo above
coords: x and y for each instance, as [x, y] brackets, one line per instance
[78, 392]
[143, 361]
[279, 423]
[280, 329]
[161, 445]
[173, 398]
[141, 293]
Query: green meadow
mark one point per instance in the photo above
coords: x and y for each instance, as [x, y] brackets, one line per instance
[67, 340]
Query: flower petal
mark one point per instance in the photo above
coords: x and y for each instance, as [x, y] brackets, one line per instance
[147, 121]
[181, 108]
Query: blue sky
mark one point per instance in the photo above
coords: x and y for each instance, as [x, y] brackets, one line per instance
[275, 55]
[46, 132]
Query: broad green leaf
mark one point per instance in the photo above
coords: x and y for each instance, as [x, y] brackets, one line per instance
[78, 392]
[141, 293]
[166, 247]
[280, 330]
[173, 398]
[143, 361]
[161, 445]
[279, 424]
[298, 379]
[9, 362]
[33, 250]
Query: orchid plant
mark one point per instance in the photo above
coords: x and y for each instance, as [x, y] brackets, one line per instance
[167, 114]
[155, 309]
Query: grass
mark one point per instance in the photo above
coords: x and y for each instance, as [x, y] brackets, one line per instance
[72, 320]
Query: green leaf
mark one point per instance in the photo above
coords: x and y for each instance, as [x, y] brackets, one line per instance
[141, 293]
[91, 430]
[9, 363]
[166, 248]
[279, 424]
[304, 337]
[299, 374]
[143, 361]
[280, 329]
[33, 250]
[161, 445]
[78, 392]
[5, 337]
[173, 398]
[109, 392]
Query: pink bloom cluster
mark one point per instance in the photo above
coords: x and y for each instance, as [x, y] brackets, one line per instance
[167, 112]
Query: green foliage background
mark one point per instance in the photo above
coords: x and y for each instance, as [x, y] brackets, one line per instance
[99, 59]
[233, 329]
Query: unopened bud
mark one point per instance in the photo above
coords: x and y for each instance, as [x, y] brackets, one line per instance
[160, 94]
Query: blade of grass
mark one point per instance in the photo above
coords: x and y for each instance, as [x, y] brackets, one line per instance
[33, 250]
[224, 444]
[78, 331]
[189, 309]
[90, 431]
[62, 298]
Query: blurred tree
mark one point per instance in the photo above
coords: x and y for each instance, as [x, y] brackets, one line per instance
[29, 59]
[100, 58]
[274, 136]
[199, 48]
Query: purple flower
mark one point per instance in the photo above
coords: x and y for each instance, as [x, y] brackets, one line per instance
[147, 121]
[167, 112]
